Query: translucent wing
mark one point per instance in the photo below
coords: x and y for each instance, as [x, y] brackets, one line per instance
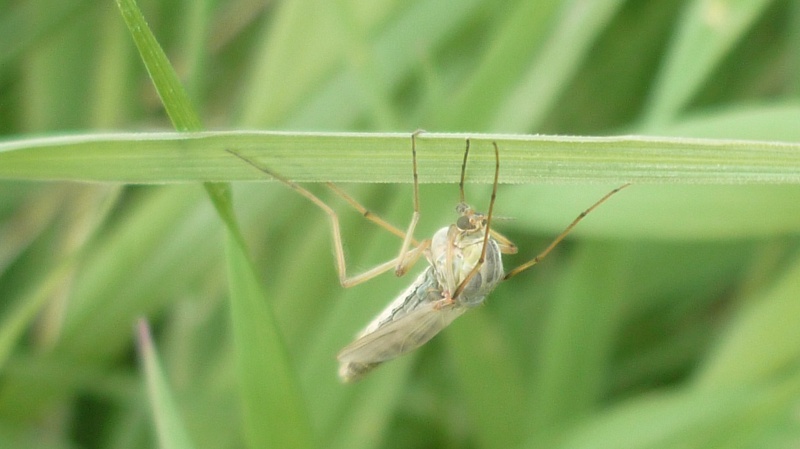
[395, 338]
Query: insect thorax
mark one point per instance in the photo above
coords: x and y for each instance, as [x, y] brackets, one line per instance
[464, 253]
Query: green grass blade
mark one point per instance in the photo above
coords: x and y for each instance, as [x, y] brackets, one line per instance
[267, 384]
[707, 31]
[169, 426]
[112, 75]
[19, 318]
[503, 63]
[492, 384]
[579, 25]
[288, 84]
[19, 34]
[581, 324]
[153, 235]
[688, 419]
[165, 80]
[341, 157]
[775, 122]
[275, 415]
[746, 352]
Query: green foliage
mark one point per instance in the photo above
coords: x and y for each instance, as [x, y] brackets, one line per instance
[669, 319]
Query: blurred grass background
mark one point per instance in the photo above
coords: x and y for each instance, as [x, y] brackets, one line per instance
[669, 319]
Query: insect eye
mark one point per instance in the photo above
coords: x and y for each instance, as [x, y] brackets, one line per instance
[464, 223]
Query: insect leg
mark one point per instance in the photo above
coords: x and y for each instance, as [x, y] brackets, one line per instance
[488, 225]
[561, 236]
[341, 266]
[369, 215]
[463, 173]
[403, 261]
[506, 245]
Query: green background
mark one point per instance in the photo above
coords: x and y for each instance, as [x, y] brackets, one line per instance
[669, 319]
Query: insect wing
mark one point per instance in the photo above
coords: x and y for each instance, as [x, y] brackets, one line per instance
[402, 335]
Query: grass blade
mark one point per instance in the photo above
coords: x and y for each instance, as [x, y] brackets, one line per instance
[165, 80]
[170, 429]
[274, 415]
[268, 386]
[746, 353]
[707, 32]
[350, 157]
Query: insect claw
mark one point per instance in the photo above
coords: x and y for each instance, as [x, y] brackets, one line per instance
[447, 300]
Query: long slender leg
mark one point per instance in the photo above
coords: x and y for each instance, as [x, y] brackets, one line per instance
[404, 263]
[408, 257]
[506, 245]
[488, 225]
[369, 215]
[463, 173]
[561, 236]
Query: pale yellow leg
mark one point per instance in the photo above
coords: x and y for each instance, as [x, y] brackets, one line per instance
[410, 250]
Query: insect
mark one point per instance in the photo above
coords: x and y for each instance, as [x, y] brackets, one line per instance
[464, 266]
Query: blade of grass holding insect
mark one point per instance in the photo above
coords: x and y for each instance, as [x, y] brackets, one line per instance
[274, 413]
[575, 31]
[761, 341]
[706, 32]
[350, 157]
[170, 429]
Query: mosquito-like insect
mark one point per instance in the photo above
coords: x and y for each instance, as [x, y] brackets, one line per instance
[465, 266]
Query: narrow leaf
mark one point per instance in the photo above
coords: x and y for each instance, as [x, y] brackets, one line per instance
[350, 157]
[275, 414]
[169, 426]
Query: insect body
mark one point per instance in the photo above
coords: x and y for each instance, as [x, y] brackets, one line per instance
[465, 265]
[429, 305]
